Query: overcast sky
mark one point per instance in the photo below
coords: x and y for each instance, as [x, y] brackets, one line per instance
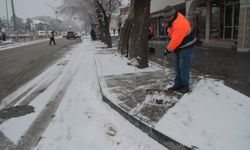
[32, 8]
[29, 8]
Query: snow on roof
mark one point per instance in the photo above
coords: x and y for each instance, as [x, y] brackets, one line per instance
[35, 21]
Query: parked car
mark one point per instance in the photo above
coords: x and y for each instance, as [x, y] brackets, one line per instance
[71, 35]
[41, 34]
[78, 34]
[64, 34]
[1, 36]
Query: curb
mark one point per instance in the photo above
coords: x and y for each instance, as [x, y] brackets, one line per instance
[153, 133]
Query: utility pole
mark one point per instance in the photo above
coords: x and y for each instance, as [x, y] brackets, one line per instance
[7, 15]
[56, 12]
[14, 15]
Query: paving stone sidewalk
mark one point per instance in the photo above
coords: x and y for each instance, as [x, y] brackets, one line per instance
[126, 93]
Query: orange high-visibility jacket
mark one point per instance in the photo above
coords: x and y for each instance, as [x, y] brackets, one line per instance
[180, 33]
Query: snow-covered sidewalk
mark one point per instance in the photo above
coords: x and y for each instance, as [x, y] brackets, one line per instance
[69, 111]
[70, 114]
[84, 121]
[211, 117]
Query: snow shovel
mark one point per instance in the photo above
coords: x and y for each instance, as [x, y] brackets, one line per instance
[158, 96]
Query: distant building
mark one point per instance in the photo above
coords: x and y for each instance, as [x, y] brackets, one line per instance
[124, 13]
[38, 25]
[122, 16]
[114, 21]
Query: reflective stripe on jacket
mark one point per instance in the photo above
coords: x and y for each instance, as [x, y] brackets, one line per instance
[180, 33]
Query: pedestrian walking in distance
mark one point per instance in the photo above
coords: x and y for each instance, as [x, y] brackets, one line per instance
[181, 42]
[52, 38]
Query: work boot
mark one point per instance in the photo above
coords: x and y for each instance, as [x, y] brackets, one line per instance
[171, 90]
[184, 89]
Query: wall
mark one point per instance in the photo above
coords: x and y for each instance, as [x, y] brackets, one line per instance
[244, 26]
[157, 5]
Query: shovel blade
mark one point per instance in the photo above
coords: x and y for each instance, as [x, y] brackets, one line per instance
[158, 92]
[159, 97]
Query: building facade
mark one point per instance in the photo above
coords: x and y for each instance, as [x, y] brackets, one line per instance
[226, 21]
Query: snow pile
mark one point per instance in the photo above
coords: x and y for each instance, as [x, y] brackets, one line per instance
[119, 65]
[212, 117]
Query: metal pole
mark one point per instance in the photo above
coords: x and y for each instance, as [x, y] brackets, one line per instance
[207, 28]
[7, 15]
[14, 15]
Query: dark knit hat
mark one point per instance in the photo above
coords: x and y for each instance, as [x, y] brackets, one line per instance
[169, 11]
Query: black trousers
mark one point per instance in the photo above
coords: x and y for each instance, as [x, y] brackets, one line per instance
[52, 39]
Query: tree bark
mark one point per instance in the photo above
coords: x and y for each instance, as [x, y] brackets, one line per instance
[139, 40]
[104, 21]
[123, 46]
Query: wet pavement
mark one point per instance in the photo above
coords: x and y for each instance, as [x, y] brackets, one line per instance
[220, 63]
[20, 64]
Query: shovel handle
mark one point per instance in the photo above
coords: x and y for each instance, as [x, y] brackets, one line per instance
[162, 78]
[164, 63]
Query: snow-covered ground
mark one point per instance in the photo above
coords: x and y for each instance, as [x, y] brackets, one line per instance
[212, 117]
[82, 120]
[13, 45]
[9, 44]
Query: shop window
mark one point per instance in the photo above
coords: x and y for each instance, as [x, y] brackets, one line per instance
[236, 14]
[202, 22]
[162, 29]
[215, 22]
[231, 19]
[153, 23]
[235, 34]
[228, 16]
[228, 33]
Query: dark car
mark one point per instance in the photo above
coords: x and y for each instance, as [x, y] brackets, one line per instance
[3, 36]
[70, 35]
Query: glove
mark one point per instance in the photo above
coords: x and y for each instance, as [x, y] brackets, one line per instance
[166, 52]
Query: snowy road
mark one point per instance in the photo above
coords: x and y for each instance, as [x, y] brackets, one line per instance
[69, 111]
[21, 62]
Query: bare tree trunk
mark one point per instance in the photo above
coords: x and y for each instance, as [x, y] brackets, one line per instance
[104, 21]
[101, 33]
[139, 41]
[106, 31]
[125, 31]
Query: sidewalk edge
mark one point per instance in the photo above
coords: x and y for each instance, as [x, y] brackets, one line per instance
[153, 133]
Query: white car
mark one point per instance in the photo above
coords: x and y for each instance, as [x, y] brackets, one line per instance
[41, 33]
[64, 34]
[1, 36]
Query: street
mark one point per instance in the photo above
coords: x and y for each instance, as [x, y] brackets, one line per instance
[21, 64]
[64, 110]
